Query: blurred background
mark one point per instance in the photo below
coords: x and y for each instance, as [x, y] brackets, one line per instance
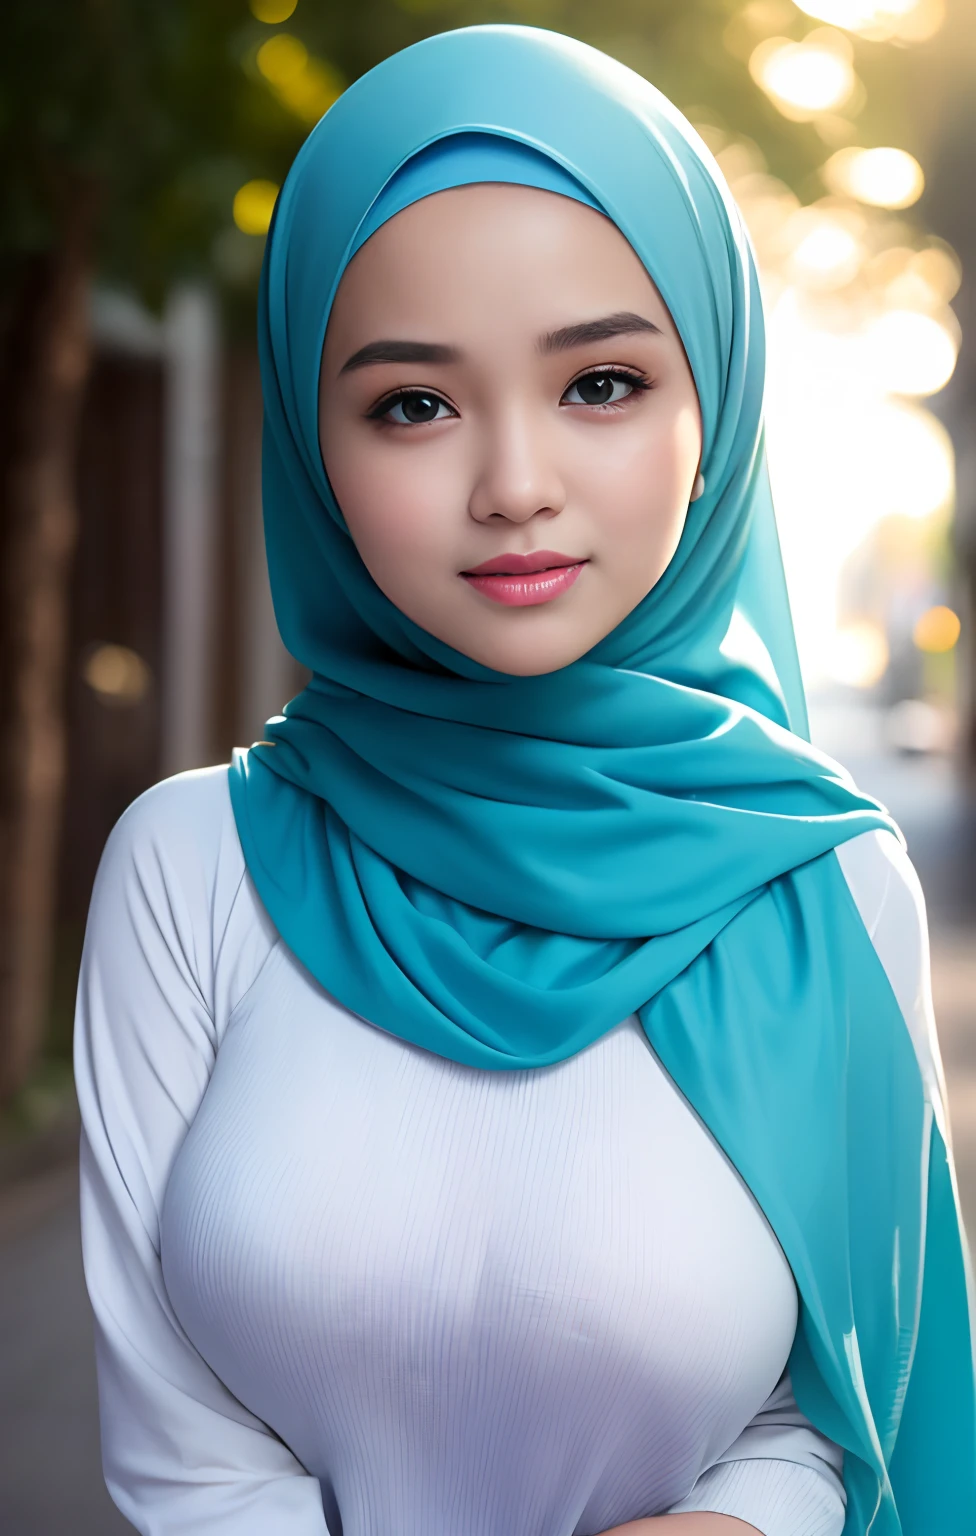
[143, 145]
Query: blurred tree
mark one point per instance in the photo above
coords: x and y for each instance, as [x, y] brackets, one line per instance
[125, 128]
[131, 129]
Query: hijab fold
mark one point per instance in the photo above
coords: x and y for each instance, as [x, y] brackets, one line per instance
[500, 869]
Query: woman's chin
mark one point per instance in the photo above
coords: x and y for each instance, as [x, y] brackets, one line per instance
[527, 660]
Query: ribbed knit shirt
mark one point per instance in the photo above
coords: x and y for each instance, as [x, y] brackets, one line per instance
[345, 1287]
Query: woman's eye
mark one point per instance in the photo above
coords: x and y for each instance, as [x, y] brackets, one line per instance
[413, 409]
[601, 389]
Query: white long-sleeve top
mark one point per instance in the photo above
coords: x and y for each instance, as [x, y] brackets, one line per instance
[345, 1287]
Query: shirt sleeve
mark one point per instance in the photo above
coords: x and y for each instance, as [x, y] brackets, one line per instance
[888, 893]
[781, 1475]
[180, 1453]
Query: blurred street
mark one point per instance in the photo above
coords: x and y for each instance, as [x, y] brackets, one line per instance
[50, 1471]
[50, 1478]
[939, 822]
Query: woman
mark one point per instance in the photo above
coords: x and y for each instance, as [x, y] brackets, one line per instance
[498, 1118]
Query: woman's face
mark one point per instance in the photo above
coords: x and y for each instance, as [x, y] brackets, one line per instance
[503, 387]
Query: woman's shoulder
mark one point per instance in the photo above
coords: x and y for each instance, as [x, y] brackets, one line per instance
[888, 894]
[173, 865]
[176, 846]
[187, 810]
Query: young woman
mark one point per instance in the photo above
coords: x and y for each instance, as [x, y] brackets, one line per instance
[511, 1100]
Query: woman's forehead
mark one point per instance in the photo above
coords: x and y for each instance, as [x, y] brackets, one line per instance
[528, 255]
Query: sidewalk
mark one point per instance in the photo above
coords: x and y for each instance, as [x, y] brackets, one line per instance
[50, 1465]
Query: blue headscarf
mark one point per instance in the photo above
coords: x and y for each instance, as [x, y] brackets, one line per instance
[500, 869]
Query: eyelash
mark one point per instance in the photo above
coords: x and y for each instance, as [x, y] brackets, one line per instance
[638, 381]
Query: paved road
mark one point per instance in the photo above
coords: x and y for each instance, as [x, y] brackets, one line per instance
[50, 1473]
[50, 1481]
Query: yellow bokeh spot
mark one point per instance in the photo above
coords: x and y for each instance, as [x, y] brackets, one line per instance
[117, 674]
[919, 21]
[905, 21]
[254, 205]
[312, 91]
[805, 79]
[885, 178]
[282, 58]
[273, 12]
[938, 267]
[306, 85]
[826, 252]
[937, 630]
[855, 15]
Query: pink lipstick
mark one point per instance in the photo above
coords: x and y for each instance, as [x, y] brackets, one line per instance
[520, 581]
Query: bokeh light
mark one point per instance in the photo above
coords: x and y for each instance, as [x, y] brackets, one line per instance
[306, 85]
[858, 654]
[938, 269]
[825, 250]
[913, 353]
[805, 79]
[116, 674]
[273, 12]
[925, 280]
[904, 464]
[937, 630]
[903, 21]
[885, 178]
[859, 332]
[282, 58]
[254, 205]
[916, 725]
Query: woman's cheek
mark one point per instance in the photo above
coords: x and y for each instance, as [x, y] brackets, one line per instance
[646, 516]
[635, 487]
[394, 515]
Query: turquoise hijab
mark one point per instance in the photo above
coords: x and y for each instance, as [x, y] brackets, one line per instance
[501, 869]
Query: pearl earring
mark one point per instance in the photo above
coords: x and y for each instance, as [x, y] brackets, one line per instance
[699, 487]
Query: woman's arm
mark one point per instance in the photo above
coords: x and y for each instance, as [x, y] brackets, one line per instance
[182, 1456]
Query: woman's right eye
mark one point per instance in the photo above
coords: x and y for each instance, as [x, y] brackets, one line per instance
[412, 408]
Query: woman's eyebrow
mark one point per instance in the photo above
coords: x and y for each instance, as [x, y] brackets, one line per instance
[401, 352]
[390, 351]
[622, 324]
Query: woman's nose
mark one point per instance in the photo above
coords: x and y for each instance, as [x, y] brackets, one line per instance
[519, 475]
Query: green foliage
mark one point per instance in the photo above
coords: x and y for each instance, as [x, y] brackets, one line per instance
[147, 99]
[162, 105]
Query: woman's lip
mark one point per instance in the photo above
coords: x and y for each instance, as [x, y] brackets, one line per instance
[528, 589]
[519, 565]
